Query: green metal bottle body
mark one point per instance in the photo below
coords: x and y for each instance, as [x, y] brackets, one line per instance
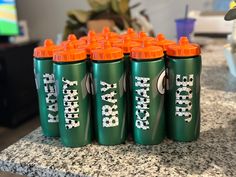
[73, 103]
[148, 115]
[183, 98]
[109, 101]
[45, 84]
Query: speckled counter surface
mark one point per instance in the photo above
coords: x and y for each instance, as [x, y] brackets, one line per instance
[214, 154]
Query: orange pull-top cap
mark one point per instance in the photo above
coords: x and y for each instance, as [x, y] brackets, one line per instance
[111, 36]
[163, 42]
[45, 51]
[69, 54]
[107, 53]
[108, 34]
[115, 41]
[143, 36]
[72, 39]
[127, 44]
[92, 44]
[105, 30]
[130, 33]
[184, 49]
[91, 34]
[146, 51]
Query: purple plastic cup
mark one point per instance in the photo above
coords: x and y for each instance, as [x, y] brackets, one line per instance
[184, 27]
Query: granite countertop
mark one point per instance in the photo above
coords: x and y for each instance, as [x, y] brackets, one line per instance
[214, 154]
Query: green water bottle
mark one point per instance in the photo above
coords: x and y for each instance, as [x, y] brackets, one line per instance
[91, 44]
[183, 90]
[147, 83]
[126, 45]
[70, 69]
[45, 84]
[108, 72]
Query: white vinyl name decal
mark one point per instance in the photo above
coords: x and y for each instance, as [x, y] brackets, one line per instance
[71, 104]
[143, 101]
[183, 97]
[51, 97]
[109, 110]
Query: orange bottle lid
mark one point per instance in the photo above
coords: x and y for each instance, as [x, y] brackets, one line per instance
[143, 36]
[108, 34]
[163, 42]
[115, 41]
[91, 34]
[73, 40]
[184, 49]
[91, 45]
[111, 38]
[71, 37]
[45, 51]
[106, 29]
[127, 44]
[107, 53]
[146, 51]
[130, 33]
[69, 54]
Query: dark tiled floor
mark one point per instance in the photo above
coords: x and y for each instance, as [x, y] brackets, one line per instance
[9, 136]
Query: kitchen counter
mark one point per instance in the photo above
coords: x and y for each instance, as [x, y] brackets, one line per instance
[214, 154]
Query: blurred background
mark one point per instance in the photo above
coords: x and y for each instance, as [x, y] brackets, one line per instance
[46, 19]
[38, 20]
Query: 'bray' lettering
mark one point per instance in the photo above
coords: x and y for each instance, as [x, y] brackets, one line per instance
[110, 108]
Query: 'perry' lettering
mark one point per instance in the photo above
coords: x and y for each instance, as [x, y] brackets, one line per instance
[71, 104]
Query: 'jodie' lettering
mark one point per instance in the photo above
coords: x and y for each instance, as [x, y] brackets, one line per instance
[184, 96]
[109, 109]
[71, 104]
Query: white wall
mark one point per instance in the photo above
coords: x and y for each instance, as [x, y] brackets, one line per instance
[162, 13]
[46, 18]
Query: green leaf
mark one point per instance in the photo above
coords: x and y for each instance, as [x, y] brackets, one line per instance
[115, 6]
[124, 6]
[81, 15]
[99, 5]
